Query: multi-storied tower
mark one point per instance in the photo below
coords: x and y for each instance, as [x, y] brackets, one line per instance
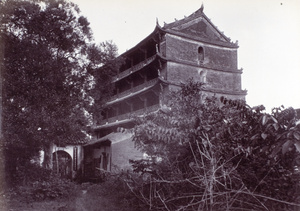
[189, 48]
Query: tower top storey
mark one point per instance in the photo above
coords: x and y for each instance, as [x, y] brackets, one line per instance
[198, 26]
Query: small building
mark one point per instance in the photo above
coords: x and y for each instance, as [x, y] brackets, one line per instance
[109, 153]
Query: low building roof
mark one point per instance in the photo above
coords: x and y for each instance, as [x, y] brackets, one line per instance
[112, 138]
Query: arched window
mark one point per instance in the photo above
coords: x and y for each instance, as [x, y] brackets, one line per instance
[200, 55]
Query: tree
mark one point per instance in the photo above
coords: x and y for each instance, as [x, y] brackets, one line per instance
[47, 74]
[103, 65]
[206, 154]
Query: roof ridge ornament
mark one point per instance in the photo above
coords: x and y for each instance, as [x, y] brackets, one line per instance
[202, 8]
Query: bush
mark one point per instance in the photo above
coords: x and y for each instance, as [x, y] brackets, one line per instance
[31, 172]
[117, 189]
[35, 183]
[111, 195]
[207, 154]
[53, 188]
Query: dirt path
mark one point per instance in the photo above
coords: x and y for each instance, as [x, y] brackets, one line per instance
[76, 204]
[80, 202]
[86, 197]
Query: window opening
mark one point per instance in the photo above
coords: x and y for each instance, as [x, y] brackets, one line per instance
[200, 55]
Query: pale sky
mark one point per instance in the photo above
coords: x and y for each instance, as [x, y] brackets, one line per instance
[268, 32]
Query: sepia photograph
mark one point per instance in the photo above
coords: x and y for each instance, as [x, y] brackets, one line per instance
[135, 105]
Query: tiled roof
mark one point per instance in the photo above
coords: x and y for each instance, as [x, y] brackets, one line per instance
[172, 28]
[114, 137]
[75, 142]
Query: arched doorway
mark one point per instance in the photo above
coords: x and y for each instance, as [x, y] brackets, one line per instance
[62, 164]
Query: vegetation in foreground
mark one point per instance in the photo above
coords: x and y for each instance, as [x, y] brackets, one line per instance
[54, 193]
[207, 155]
[50, 79]
[211, 154]
[203, 154]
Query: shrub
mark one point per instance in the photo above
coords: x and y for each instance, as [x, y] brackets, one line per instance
[111, 195]
[207, 154]
[53, 188]
[117, 189]
[35, 183]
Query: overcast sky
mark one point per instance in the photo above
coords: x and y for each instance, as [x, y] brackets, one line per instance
[268, 32]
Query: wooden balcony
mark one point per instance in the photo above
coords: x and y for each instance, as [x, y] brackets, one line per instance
[133, 90]
[129, 115]
[134, 68]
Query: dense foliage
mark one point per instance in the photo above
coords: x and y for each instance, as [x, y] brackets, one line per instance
[44, 185]
[207, 154]
[49, 67]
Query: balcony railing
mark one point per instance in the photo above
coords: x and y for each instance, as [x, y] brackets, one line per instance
[130, 115]
[133, 90]
[134, 68]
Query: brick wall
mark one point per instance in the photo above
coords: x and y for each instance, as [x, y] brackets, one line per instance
[223, 80]
[181, 73]
[218, 68]
[182, 49]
